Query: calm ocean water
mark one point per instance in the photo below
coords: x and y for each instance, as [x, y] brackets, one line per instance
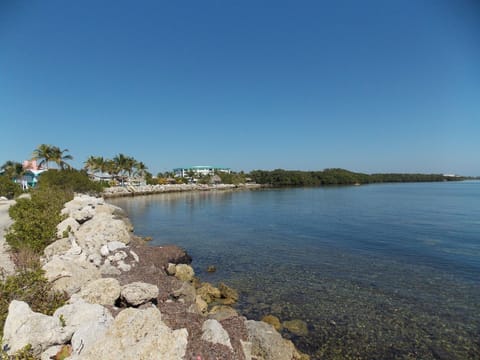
[388, 271]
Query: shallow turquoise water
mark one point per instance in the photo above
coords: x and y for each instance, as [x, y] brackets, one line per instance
[377, 272]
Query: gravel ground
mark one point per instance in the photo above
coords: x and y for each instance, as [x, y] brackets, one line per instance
[5, 262]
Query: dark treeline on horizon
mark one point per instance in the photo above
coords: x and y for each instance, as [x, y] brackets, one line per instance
[280, 177]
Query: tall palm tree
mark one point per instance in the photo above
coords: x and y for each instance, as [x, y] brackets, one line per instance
[140, 168]
[125, 165]
[58, 157]
[111, 168]
[95, 163]
[43, 152]
[12, 169]
[48, 153]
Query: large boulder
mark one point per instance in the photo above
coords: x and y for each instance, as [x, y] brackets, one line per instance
[267, 343]
[69, 274]
[208, 292]
[139, 334]
[184, 272]
[229, 295]
[100, 230]
[24, 327]
[138, 293]
[104, 291]
[58, 247]
[67, 226]
[89, 321]
[79, 202]
[213, 331]
[83, 214]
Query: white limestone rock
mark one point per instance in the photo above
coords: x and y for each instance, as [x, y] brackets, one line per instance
[139, 334]
[68, 274]
[99, 231]
[84, 214]
[138, 293]
[134, 255]
[103, 291]
[95, 259]
[108, 269]
[213, 331]
[124, 266]
[67, 225]
[89, 321]
[58, 247]
[23, 327]
[115, 245]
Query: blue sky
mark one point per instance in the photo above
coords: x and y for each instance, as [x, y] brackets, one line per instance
[371, 86]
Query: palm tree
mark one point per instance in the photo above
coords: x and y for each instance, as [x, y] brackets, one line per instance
[47, 153]
[58, 157]
[111, 168]
[43, 152]
[124, 165]
[141, 168]
[95, 163]
[12, 169]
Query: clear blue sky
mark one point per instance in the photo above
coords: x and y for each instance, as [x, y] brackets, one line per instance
[372, 86]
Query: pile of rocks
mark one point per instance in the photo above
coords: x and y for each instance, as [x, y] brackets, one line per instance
[132, 301]
[117, 191]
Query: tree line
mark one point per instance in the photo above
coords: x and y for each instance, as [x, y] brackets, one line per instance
[280, 177]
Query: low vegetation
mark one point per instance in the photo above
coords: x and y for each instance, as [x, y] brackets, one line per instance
[8, 188]
[280, 177]
[36, 218]
[29, 285]
[35, 221]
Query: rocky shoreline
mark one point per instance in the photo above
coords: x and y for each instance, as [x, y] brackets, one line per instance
[119, 191]
[128, 300]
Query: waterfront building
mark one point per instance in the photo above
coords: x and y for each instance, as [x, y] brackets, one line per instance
[199, 170]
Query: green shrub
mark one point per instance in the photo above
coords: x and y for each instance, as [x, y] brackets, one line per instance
[8, 188]
[29, 285]
[70, 180]
[24, 354]
[36, 219]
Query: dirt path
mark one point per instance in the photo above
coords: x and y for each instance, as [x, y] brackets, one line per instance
[5, 263]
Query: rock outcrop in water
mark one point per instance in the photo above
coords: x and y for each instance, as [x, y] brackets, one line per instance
[132, 301]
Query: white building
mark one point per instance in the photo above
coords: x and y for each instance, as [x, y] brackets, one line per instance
[200, 170]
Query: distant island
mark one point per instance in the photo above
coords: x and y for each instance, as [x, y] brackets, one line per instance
[280, 177]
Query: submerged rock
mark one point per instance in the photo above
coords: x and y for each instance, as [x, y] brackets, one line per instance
[274, 321]
[267, 343]
[208, 292]
[297, 327]
[229, 295]
[222, 312]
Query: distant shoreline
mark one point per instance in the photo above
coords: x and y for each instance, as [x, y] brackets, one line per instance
[125, 191]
